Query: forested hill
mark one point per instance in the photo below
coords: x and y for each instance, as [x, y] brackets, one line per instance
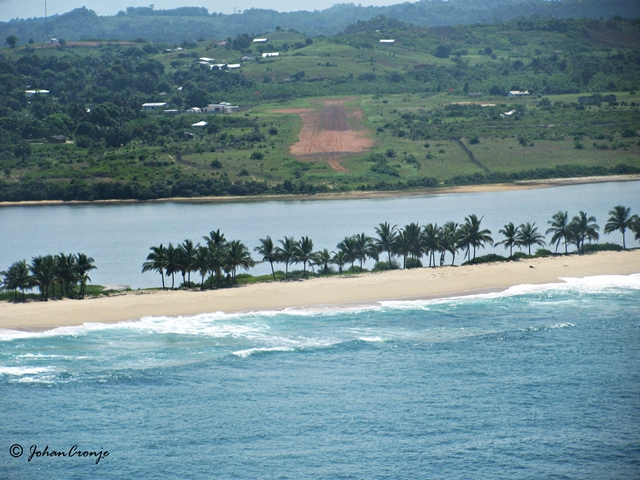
[193, 23]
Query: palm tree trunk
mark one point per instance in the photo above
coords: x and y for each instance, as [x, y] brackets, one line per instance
[272, 270]
[162, 275]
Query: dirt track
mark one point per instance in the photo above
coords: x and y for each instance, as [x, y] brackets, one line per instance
[330, 134]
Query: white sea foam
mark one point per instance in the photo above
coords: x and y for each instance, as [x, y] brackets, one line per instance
[585, 285]
[251, 351]
[19, 371]
[253, 325]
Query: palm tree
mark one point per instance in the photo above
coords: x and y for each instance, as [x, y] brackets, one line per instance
[350, 249]
[17, 277]
[156, 261]
[402, 246]
[583, 227]
[365, 248]
[83, 266]
[65, 270]
[238, 256]
[413, 233]
[269, 252]
[303, 252]
[285, 253]
[635, 227]
[560, 229]
[339, 259]
[386, 239]
[430, 240]
[173, 261]
[322, 259]
[216, 258]
[528, 235]
[473, 235]
[510, 232]
[449, 241]
[202, 263]
[187, 258]
[620, 219]
[215, 238]
[43, 274]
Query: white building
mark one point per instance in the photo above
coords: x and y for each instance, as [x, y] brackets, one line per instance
[37, 91]
[260, 40]
[270, 54]
[193, 110]
[222, 107]
[388, 41]
[147, 107]
[517, 93]
[200, 124]
[233, 66]
[206, 59]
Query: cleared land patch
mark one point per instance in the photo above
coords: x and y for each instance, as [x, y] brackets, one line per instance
[330, 134]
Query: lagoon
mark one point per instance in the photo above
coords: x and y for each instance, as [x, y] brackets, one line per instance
[118, 236]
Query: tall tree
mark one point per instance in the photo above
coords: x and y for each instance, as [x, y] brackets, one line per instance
[620, 219]
[285, 253]
[17, 277]
[322, 259]
[303, 252]
[583, 227]
[339, 259]
[430, 240]
[386, 238]
[560, 229]
[269, 252]
[510, 232]
[66, 271]
[528, 235]
[238, 256]
[349, 248]
[450, 237]
[365, 248]
[156, 261]
[474, 235]
[173, 263]
[43, 273]
[83, 266]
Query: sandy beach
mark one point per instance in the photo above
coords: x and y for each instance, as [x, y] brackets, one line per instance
[343, 291]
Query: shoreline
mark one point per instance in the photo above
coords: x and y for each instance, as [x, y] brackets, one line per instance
[349, 291]
[352, 195]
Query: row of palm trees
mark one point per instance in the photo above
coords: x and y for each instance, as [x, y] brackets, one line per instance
[45, 272]
[215, 256]
[411, 243]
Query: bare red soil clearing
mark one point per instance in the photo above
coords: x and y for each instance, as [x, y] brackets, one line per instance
[330, 134]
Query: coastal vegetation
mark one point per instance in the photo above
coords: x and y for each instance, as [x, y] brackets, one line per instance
[217, 260]
[434, 119]
[70, 272]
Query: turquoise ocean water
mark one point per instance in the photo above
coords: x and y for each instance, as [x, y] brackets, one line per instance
[534, 382]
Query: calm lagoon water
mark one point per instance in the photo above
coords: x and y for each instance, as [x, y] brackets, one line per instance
[535, 382]
[118, 237]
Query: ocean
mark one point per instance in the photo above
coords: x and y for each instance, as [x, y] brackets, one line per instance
[534, 382]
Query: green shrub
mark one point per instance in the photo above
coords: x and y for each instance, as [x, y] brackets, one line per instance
[382, 266]
[413, 263]
[602, 247]
[489, 258]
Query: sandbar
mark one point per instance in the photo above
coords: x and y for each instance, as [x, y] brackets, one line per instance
[325, 292]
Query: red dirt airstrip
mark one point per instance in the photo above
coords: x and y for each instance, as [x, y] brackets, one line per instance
[330, 134]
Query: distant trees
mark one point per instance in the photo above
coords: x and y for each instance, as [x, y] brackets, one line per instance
[620, 220]
[12, 40]
[68, 271]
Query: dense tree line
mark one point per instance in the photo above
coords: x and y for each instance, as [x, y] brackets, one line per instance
[191, 23]
[218, 260]
[69, 272]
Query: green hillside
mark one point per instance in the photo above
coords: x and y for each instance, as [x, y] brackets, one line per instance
[435, 104]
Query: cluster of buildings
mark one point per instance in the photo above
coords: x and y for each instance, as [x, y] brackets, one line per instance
[222, 107]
